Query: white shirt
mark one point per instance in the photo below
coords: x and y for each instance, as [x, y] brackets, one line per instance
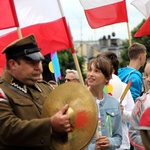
[128, 104]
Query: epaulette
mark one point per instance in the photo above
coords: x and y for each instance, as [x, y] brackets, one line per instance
[43, 81]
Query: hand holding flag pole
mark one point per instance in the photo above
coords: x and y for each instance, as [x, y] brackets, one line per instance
[125, 91]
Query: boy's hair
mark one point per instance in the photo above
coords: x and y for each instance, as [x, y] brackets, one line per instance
[135, 49]
[113, 59]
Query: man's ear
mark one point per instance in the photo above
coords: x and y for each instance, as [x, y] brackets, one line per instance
[141, 56]
[12, 64]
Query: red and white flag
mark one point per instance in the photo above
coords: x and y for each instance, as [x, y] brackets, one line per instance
[101, 13]
[44, 19]
[143, 6]
[144, 29]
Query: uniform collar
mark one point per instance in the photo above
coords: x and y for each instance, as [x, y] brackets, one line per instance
[20, 86]
[17, 84]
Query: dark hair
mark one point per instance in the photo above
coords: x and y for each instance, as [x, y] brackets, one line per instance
[102, 64]
[113, 59]
[15, 59]
[18, 60]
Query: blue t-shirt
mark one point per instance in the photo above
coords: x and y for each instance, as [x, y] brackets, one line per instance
[126, 74]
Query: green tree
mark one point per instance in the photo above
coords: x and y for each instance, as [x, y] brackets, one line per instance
[124, 60]
[67, 62]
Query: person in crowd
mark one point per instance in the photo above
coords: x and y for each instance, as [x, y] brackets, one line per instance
[109, 130]
[22, 98]
[72, 76]
[141, 104]
[126, 105]
[137, 55]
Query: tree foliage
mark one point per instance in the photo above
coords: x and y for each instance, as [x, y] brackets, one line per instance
[67, 62]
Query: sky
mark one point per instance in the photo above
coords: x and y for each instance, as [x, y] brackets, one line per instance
[74, 13]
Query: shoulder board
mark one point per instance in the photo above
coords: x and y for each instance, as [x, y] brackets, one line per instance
[43, 81]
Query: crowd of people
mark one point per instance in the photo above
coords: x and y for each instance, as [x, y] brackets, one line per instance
[23, 92]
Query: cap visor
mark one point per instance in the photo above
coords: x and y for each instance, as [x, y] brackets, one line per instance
[35, 56]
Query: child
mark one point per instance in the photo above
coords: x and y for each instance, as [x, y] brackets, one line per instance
[109, 116]
[126, 105]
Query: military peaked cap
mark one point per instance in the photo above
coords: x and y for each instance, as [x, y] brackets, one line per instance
[25, 48]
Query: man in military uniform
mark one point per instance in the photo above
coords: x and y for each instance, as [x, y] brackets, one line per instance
[22, 98]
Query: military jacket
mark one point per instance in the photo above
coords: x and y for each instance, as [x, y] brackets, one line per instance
[21, 125]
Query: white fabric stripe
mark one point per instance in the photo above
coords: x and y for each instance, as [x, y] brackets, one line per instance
[143, 6]
[5, 99]
[89, 4]
[37, 11]
[30, 12]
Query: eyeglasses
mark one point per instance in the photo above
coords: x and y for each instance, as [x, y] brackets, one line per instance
[68, 80]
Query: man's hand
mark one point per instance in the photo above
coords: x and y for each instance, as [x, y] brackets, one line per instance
[60, 121]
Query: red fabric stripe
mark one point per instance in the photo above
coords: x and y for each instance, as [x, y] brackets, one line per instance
[1, 96]
[107, 15]
[145, 118]
[51, 37]
[135, 144]
[8, 14]
[14, 13]
[144, 29]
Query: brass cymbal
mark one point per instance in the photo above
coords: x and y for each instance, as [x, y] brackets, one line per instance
[82, 110]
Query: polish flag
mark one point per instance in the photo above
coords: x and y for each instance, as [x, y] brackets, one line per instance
[143, 6]
[144, 29]
[44, 19]
[101, 13]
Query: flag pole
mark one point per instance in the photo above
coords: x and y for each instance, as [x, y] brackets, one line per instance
[15, 18]
[129, 35]
[19, 32]
[71, 43]
[125, 91]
